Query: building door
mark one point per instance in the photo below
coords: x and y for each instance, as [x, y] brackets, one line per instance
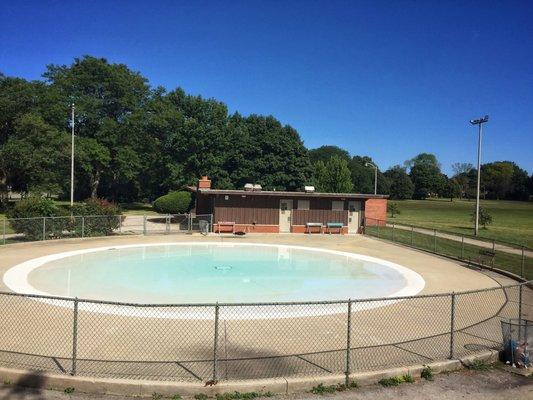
[354, 216]
[285, 211]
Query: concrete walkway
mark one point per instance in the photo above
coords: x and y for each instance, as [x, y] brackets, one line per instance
[458, 238]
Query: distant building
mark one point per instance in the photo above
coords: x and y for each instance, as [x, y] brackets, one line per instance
[256, 210]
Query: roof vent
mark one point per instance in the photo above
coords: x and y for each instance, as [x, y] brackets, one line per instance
[249, 187]
[257, 188]
[309, 189]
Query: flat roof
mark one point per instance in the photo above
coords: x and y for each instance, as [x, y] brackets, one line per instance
[276, 193]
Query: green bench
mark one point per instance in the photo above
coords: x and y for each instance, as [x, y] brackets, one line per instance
[330, 226]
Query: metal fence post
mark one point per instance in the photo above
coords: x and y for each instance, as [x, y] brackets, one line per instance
[412, 231]
[215, 345]
[520, 306]
[75, 337]
[348, 342]
[144, 224]
[44, 228]
[211, 223]
[434, 240]
[462, 246]
[522, 266]
[167, 224]
[83, 226]
[393, 231]
[120, 224]
[452, 326]
[493, 244]
[4, 234]
[189, 222]
[377, 223]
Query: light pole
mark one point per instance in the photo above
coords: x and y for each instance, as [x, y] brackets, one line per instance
[369, 164]
[479, 122]
[72, 158]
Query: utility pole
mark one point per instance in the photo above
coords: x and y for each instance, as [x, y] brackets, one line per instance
[72, 157]
[479, 122]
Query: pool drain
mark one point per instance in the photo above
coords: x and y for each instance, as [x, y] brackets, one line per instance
[223, 267]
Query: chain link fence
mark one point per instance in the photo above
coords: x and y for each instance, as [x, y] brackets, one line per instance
[48, 228]
[202, 342]
[509, 257]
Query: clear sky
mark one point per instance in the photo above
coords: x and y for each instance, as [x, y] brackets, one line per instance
[387, 79]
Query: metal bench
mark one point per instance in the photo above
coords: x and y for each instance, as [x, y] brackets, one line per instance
[330, 226]
[310, 225]
[486, 257]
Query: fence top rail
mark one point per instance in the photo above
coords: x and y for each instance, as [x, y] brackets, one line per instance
[107, 215]
[259, 304]
[466, 235]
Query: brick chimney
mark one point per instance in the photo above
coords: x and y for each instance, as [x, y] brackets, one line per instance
[204, 183]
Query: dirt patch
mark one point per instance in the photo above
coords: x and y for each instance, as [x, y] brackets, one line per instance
[466, 384]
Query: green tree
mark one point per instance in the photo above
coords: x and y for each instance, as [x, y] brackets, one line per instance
[34, 157]
[393, 209]
[463, 176]
[504, 180]
[485, 218]
[451, 189]
[363, 176]
[324, 153]
[423, 159]
[106, 95]
[426, 176]
[333, 176]
[401, 186]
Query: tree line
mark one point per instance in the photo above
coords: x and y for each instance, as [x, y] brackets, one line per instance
[135, 142]
[418, 178]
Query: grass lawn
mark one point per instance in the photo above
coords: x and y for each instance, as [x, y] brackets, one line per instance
[512, 221]
[502, 260]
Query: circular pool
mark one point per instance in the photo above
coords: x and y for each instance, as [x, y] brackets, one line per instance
[193, 272]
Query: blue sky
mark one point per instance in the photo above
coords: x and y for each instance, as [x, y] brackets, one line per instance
[385, 79]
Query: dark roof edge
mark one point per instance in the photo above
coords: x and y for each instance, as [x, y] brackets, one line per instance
[285, 193]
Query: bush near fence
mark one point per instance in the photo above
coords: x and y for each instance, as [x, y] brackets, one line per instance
[102, 216]
[25, 212]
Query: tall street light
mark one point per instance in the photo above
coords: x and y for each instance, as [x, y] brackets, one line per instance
[72, 157]
[479, 122]
[369, 164]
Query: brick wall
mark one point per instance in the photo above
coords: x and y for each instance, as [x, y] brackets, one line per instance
[375, 209]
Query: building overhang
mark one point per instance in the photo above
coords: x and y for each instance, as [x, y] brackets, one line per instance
[275, 193]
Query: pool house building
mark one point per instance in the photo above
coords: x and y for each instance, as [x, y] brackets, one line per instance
[266, 211]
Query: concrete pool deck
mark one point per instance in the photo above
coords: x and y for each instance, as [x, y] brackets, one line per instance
[38, 336]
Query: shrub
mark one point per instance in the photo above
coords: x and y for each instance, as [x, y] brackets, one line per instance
[27, 217]
[393, 209]
[479, 365]
[321, 389]
[427, 373]
[394, 381]
[100, 216]
[173, 203]
[485, 218]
